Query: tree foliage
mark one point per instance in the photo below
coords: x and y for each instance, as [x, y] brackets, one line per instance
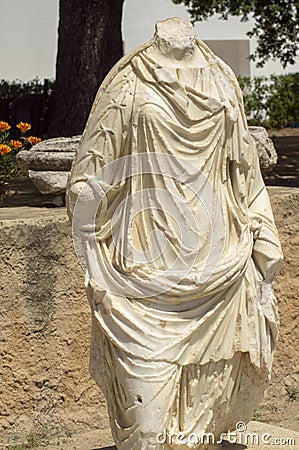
[271, 102]
[275, 24]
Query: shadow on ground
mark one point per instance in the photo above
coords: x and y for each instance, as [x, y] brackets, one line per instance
[286, 171]
[106, 448]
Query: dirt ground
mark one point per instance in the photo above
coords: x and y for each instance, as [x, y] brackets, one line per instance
[286, 171]
[281, 404]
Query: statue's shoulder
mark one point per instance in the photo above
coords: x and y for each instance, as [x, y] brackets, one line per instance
[122, 67]
[119, 81]
[215, 60]
[221, 69]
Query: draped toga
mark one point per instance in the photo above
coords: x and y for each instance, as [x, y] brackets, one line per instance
[183, 338]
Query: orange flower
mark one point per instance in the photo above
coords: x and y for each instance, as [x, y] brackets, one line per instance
[16, 144]
[34, 140]
[24, 126]
[4, 149]
[4, 126]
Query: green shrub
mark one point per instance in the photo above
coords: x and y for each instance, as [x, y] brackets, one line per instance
[255, 92]
[271, 102]
[283, 100]
[11, 90]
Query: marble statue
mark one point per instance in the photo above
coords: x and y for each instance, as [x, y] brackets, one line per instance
[173, 226]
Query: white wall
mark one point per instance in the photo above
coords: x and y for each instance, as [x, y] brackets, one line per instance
[234, 52]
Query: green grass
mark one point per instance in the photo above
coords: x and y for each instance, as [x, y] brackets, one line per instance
[293, 393]
[259, 412]
[32, 442]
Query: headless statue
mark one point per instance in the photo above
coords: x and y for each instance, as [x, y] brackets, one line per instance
[174, 227]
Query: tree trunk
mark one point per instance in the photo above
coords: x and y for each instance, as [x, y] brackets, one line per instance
[89, 44]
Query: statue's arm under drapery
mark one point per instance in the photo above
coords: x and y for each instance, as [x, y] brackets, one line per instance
[104, 136]
[249, 185]
[267, 253]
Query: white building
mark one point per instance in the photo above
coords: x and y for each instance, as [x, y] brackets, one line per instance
[235, 52]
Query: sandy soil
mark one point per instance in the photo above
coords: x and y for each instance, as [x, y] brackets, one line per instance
[280, 407]
[286, 171]
[284, 132]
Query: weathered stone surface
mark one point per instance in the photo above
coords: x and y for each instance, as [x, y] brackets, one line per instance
[46, 161]
[49, 163]
[265, 148]
[49, 182]
[59, 144]
[52, 154]
[44, 381]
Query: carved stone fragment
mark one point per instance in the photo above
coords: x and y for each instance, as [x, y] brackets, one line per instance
[265, 149]
[49, 163]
